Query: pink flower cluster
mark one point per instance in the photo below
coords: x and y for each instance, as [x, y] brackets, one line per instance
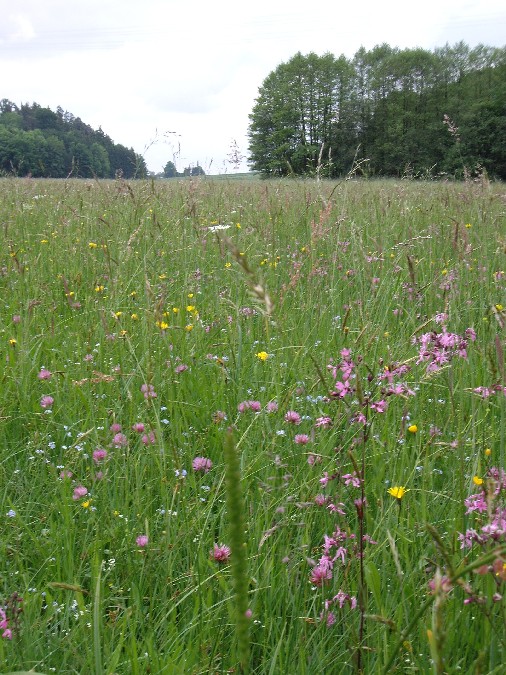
[438, 349]
[490, 500]
[4, 625]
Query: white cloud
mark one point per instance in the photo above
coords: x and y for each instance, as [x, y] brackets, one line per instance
[188, 73]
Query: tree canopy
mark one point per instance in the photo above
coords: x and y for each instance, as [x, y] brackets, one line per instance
[389, 106]
[39, 142]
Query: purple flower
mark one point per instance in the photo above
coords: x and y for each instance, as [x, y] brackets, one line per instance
[202, 464]
[44, 374]
[149, 391]
[301, 439]
[120, 441]
[46, 402]
[142, 540]
[292, 417]
[99, 454]
[271, 407]
[79, 491]
[138, 427]
[115, 428]
[220, 553]
[149, 438]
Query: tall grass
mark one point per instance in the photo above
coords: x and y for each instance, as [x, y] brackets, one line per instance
[146, 311]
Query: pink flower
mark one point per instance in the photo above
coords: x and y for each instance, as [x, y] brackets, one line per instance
[202, 464]
[98, 455]
[320, 573]
[301, 439]
[220, 554]
[271, 407]
[379, 406]
[138, 427]
[120, 441]
[79, 491]
[292, 417]
[115, 428]
[16, 318]
[149, 439]
[142, 540]
[324, 422]
[181, 368]
[46, 402]
[149, 391]
[66, 474]
[44, 374]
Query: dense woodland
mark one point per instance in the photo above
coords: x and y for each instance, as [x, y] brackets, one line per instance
[39, 142]
[403, 112]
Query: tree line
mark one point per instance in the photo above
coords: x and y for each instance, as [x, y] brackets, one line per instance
[39, 142]
[397, 112]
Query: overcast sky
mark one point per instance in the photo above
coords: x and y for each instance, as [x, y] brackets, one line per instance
[176, 80]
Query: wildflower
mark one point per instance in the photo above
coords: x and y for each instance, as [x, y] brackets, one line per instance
[413, 429]
[115, 428]
[397, 491]
[477, 480]
[149, 391]
[271, 407]
[188, 328]
[92, 244]
[46, 402]
[180, 368]
[11, 513]
[4, 625]
[468, 226]
[202, 464]
[292, 417]
[175, 310]
[499, 307]
[162, 325]
[301, 439]
[149, 439]
[320, 573]
[16, 319]
[79, 491]
[134, 317]
[142, 540]
[86, 504]
[324, 422]
[220, 553]
[99, 454]
[13, 342]
[488, 452]
[263, 356]
[138, 427]
[44, 374]
[120, 441]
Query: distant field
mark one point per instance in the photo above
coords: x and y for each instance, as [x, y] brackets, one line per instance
[341, 343]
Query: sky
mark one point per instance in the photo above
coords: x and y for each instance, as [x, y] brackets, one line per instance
[177, 80]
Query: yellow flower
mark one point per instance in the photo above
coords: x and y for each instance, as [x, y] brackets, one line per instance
[228, 264]
[86, 504]
[468, 225]
[134, 317]
[488, 452]
[190, 295]
[13, 342]
[133, 294]
[398, 491]
[413, 429]
[477, 480]
[189, 327]
[175, 310]
[44, 241]
[92, 244]
[118, 314]
[162, 325]
[99, 289]
[190, 308]
[162, 276]
[263, 356]
[499, 308]
[238, 225]
[444, 272]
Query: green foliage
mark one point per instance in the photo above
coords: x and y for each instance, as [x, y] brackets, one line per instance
[115, 287]
[38, 142]
[319, 113]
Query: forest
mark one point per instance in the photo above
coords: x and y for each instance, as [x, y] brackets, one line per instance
[35, 141]
[392, 112]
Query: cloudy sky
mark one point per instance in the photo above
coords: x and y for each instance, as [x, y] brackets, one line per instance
[176, 80]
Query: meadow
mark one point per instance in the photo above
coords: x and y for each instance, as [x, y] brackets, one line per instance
[252, 426]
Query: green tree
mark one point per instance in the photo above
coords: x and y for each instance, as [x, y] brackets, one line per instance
[170, 170]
